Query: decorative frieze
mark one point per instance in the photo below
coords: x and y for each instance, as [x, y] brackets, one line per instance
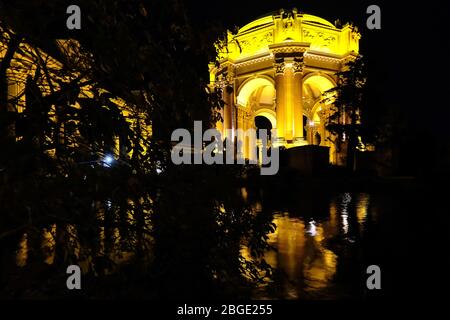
[246, 63]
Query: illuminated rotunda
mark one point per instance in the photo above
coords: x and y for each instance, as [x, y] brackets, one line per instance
[274, 71]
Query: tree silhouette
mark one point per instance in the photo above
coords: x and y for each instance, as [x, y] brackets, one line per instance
[116, 89]
[348, 105]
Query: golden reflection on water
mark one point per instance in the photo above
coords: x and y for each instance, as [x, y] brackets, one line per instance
[361, 209]
[289, 240]
[48, 244]
[320, 263]
[22, 251]
[47, 247]
[346, 199]
[109, 243]
[303, 254]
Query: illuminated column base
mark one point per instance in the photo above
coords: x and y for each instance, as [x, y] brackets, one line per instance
[279, 142]
[299, 141]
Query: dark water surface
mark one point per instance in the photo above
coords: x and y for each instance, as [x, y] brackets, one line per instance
[323, 244]
[324, 241]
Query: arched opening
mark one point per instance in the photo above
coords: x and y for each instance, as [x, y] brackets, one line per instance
[262, 122]
[316, 107]
[259, 92]
[256, 97]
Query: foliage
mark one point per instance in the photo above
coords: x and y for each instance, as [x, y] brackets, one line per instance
[121, 91]
[348, 105]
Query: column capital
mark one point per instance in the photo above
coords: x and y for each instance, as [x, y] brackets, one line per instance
[279, 67]
[297, 67]
[230, 75]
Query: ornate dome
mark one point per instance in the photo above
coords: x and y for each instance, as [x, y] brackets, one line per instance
[312, 32]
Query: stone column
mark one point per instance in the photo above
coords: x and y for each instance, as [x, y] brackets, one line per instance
[240, 152]
[227, 115]
[250, 141]
[297, 98]
[280, 88]
[229, 102]
[289, 102]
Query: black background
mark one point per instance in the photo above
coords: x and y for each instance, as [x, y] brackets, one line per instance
[411, 57]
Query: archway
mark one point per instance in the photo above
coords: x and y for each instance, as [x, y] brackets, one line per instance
[255, 99]
[316, 107]
[262, 87]
[269, 114]
[262, 122]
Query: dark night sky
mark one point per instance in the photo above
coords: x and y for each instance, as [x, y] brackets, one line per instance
[409, 54]
[408, 57]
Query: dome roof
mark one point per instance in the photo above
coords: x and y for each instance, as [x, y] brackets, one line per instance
[288, 28]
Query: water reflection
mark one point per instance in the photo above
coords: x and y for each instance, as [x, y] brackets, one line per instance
[309, 249]
[48, 244]
[312, 230]
[315, 241]
[346, 199]
[22, 251]
[361, 209]
[48, 247]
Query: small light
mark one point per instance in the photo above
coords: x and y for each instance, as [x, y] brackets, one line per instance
[159, 169]
[311, 123]
[312, 228]
[108, 160]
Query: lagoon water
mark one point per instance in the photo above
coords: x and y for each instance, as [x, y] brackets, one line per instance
[323, 245]
[324, 242]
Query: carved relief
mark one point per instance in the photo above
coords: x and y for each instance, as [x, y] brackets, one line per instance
[326, 38]
[244, 45]
[267, 38]
[308, 36]
[256, 43]
[319, 38]
[289, 23]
